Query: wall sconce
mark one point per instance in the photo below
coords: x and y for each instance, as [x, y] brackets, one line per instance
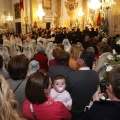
[94, 4]
[40, 13]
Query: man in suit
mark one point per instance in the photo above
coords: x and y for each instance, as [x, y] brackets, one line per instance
[82, 84]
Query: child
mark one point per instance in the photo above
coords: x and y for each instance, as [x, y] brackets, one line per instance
[58, 92]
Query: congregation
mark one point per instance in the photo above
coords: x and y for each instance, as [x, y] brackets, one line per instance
[54, 74]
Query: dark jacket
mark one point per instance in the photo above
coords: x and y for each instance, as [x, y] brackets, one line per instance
[1, 41]
[60, 70]
[103, 110]
[82, 85]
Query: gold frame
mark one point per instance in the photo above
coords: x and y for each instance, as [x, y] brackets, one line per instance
[71, 5]
[46, 4]
[3, 15]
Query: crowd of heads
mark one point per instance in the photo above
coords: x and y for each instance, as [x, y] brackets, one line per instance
[18, 57]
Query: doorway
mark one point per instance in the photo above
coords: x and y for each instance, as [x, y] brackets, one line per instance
[18, 27]
[48, 25]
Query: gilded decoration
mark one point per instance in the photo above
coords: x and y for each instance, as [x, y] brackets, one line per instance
[3, 23]
[46, 4]
[71, 6]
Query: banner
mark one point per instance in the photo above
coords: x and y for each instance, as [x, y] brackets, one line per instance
[99, 20]
[21, 5]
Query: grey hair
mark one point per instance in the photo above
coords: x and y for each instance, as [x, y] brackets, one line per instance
[40, 47]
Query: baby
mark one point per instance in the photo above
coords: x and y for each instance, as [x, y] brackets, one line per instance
[58, 92]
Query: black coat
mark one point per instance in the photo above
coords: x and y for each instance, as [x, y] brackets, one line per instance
[103, 110]
[1, 41]
[82, 85]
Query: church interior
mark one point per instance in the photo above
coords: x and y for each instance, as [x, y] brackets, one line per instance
[24, 16]
[59, 60]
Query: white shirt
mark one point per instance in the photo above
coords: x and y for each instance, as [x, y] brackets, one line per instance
[84, 68]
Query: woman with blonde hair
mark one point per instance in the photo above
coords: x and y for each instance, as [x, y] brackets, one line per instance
[7, 102]
[74, 52]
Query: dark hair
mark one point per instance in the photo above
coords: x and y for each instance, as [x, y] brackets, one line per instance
[88, 58]
[35, 86]
[58, 77]
[114, 80]
[18, 67]
[62, 57]
[1, 61]
[0, 35]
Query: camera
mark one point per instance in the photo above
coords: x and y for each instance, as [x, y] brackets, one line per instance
[103, 86]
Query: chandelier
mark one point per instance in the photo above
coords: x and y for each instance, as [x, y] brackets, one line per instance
[80, 12]
[40, 13]
[108, 3]
[9, 18]
[94, 4]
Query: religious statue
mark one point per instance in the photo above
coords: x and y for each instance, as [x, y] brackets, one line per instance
[35, 27]
[71, 5]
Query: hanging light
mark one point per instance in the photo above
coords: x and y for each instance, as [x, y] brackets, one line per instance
[40, 13]
[94, 4]
[80, 12]
[9, 18]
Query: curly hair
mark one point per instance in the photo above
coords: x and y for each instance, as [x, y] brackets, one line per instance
[103, 47]
[7, 102]
[114, 80]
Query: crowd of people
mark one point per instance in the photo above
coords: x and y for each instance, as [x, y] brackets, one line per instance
[54, 74]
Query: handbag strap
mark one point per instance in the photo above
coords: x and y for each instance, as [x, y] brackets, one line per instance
[18, 85]
[32, 111]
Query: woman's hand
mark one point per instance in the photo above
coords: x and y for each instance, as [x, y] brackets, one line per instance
[97, 95]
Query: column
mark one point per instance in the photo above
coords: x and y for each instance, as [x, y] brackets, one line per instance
[58, 13]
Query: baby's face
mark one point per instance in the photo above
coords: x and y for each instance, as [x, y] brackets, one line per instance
[59, 85]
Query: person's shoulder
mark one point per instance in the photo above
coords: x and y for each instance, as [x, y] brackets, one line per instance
[10, 80]
[53, 90]
[93, 71]
[58, 104]
[71, 69]
[74, 73]
[52, 67]
[26, 103]
[66, 92]
[26, 106]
